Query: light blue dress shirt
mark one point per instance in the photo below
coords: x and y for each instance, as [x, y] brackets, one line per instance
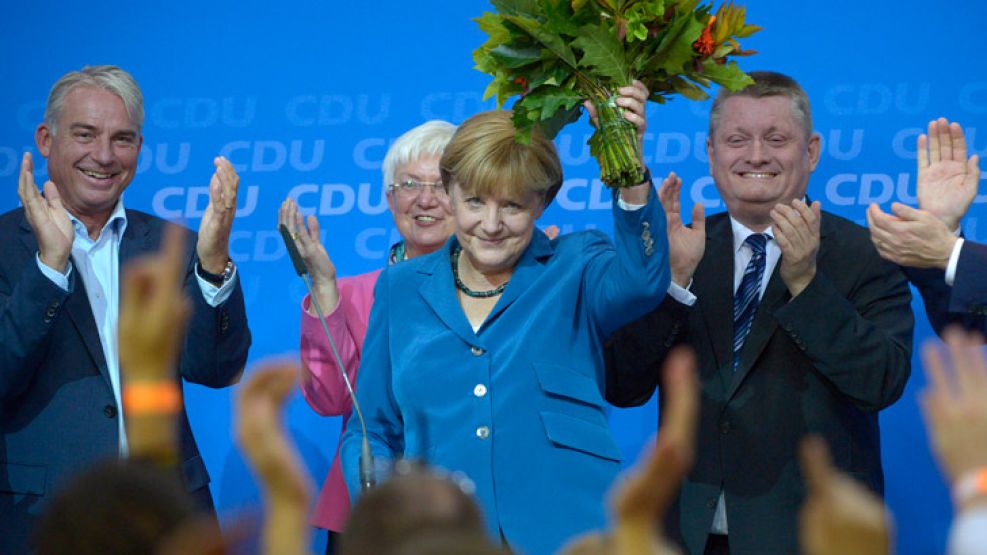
[98, 263]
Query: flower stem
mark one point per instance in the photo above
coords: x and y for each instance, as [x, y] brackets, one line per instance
[615, 146]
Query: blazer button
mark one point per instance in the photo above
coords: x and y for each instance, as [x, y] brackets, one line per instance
[725, 427]
[109, 411]
[711, 503]
[480, 390]
[483, 432]
[477, 351]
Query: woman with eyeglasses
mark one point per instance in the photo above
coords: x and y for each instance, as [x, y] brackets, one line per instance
[421, 213]
[486, 356]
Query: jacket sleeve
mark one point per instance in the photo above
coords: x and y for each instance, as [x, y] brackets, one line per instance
[322, 382]
[215, 348]
[29, 305]
[385, 427]
[627, 280]
[859, 340]
[635, 353]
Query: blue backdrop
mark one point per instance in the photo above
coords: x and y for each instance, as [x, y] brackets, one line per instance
[304, 97]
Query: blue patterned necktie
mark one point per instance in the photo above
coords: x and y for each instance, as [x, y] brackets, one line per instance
[746, 298]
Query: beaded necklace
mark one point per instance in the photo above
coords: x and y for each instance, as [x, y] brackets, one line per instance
[462, 286]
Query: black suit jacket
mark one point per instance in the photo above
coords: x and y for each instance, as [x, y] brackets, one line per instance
[57, 409]
[963, 304]
[824, 363]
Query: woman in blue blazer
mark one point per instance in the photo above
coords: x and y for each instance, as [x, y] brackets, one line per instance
[485, 357]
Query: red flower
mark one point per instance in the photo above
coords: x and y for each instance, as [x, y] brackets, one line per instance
[705, 45]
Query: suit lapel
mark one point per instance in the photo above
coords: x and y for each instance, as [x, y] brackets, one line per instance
[765, 325]
[438, 290]
[713, 287]
[76, 305]
[529, 267]
[136, 240]
[762, 328]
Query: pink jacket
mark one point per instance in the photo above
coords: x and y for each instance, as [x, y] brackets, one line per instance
[322, 384]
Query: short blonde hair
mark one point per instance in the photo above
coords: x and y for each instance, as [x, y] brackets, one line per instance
[484, 158]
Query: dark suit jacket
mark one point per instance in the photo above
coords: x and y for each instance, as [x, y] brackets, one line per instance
[963, 304]
[57, 409]
[824, 363]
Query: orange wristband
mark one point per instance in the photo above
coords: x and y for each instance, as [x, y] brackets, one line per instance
[158, 397]
[971, 484]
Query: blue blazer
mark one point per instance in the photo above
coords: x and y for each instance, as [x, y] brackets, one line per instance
[963, 304]
[516, 406]
[57, 410]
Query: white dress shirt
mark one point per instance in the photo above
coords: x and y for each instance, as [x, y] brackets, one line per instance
[742, 255]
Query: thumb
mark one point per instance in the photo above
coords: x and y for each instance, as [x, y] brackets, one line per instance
[52, 195]
[905, 212]
[817, 466]
[698, 217]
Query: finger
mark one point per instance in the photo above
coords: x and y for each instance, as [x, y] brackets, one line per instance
[786, 220]
[699, 217]
[906, 213]
[591, 110]
[966, 359]
[669, 193]
[934, 155]
[809, 214]
[315, 233]
[958, 141]
[945, 140]
[817, 466]
[273, 381]
[938, 384]
[636, 91]
[922, 146]
[173, 256]
[230, 180]
[973, 172]
[27, 190]
[681, 406]
[637, 120]
[52, 196]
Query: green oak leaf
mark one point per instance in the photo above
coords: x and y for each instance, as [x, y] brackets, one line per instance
[603, 53]
[728, 75]
[512, 57]
[550, 41]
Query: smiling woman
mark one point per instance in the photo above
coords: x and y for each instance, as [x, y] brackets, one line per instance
[486, 355]
[420, 209]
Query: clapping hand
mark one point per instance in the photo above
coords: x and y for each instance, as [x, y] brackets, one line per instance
[213, 247]
[47, 218]
[307, 237]
[686, 245]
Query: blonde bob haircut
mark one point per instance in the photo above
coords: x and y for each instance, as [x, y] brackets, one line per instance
[484, 159]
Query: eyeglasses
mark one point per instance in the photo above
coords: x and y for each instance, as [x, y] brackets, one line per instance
[411, 188]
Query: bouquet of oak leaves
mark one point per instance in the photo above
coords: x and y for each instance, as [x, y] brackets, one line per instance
[556, 53]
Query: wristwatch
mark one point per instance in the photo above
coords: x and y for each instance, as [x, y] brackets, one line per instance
[216, 279]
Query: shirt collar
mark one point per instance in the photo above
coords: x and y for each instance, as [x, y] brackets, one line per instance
[117, 223]
[742, 232]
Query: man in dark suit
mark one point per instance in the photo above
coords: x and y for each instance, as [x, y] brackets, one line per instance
[799, 327]
[947, 269]
[60, 386]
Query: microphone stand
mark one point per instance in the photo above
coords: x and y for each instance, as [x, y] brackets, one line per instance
[367, 479]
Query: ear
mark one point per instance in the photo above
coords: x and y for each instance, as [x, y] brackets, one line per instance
[709, 152]
[43, 138]
[815, 151]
